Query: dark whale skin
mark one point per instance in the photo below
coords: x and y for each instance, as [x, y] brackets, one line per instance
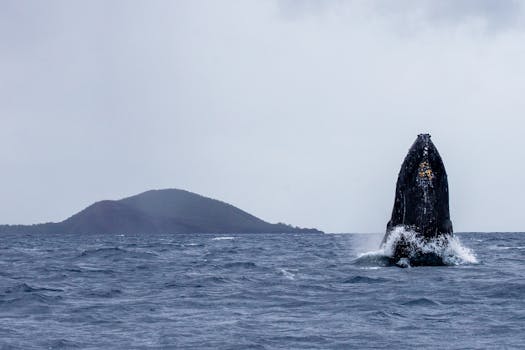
[422, 202]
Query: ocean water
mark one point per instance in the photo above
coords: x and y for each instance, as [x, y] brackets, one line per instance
[268, 291]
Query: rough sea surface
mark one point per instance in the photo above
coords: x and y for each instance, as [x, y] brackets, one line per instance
[259, 291]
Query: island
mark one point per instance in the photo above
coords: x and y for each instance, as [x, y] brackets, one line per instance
[159, 211]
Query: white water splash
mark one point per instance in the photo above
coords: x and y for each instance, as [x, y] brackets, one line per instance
[450, 249]
[458, 254]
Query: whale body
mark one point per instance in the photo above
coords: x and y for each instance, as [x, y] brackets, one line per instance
[420, 216]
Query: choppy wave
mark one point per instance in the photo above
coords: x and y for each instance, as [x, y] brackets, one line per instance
[421, 302]
[22, 296]
[447, 249]
[364, 279]
[287, 274]
[115, 253]
[223, 238]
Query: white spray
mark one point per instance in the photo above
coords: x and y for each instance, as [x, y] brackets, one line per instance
[448, 248]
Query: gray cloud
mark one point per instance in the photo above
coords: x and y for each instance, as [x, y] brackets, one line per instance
[500, 12]
[299, 113]
[493, 15]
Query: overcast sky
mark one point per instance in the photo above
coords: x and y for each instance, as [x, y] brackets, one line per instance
[295, 111]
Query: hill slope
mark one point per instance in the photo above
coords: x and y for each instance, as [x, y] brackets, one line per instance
[160, 211]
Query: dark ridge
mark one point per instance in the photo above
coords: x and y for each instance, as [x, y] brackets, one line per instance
[159, 211]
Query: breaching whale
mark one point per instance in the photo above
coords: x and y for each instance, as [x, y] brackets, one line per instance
[420, 219]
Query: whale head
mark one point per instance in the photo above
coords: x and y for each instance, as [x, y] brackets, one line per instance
[421, 201]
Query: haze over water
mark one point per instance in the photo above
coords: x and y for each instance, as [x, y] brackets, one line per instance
[260, 291]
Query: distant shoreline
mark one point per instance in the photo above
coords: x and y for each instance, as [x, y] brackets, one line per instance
[168, 211]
